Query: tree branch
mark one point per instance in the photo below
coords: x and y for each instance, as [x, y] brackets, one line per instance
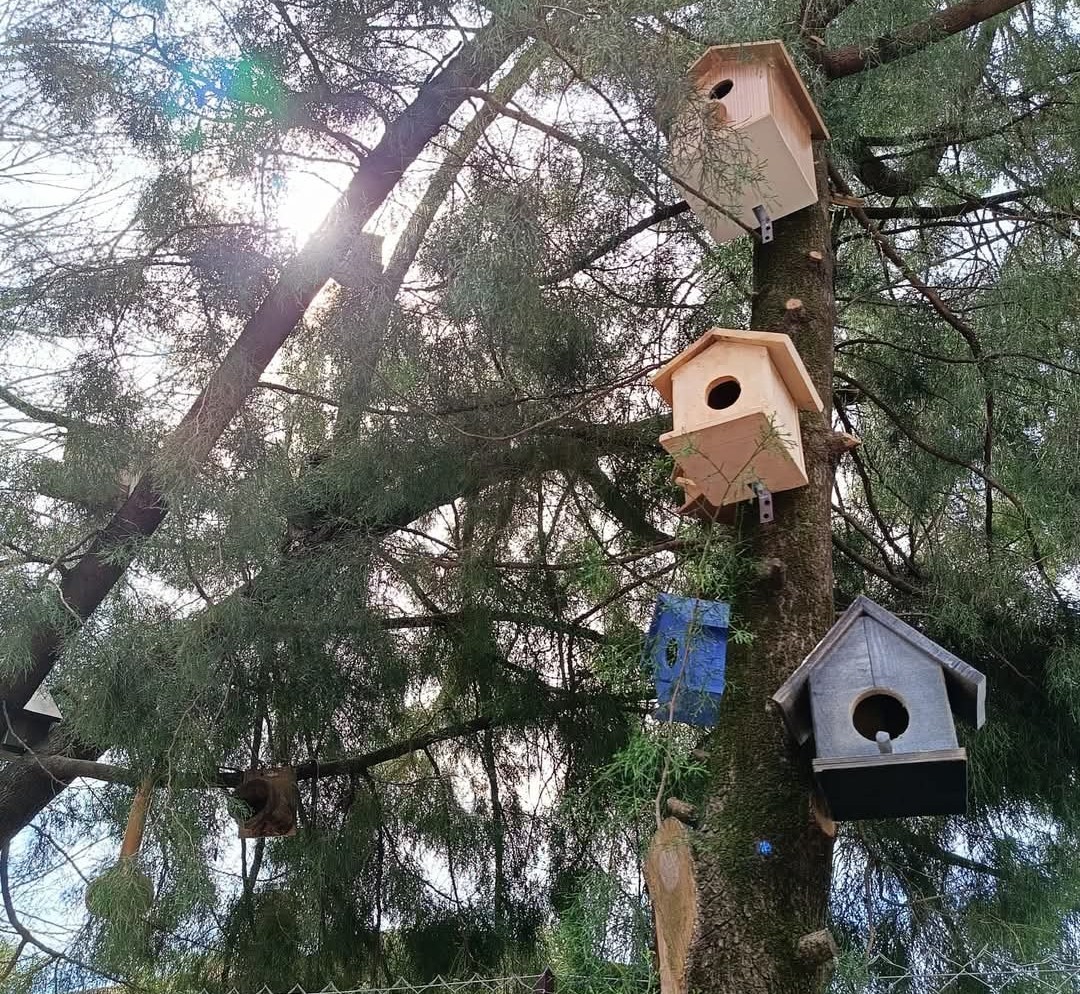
[913, 38]
[86, 585]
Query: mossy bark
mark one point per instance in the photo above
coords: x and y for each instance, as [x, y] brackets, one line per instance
[754, 907]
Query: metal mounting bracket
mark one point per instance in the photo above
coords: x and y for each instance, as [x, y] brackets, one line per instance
[764, 223]
[765, 504]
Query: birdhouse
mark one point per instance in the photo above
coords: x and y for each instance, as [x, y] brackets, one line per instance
[687, 647]
[878, 698]
[29, 726]
[742, 146]
[735, 398]
[273, 800]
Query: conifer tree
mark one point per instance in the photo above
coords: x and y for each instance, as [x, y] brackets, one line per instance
[388, 507]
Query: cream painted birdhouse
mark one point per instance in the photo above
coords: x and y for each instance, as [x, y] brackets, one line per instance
[735, 398]
[742, 145]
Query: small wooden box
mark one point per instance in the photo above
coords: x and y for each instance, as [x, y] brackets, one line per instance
[878, 698]
[745, 139]
[735, 398]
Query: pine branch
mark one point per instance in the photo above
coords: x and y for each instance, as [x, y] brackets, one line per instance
[661, 214]
[908, 40]
[86, 585]
[919, 212]
[882, 574]
[40, 414]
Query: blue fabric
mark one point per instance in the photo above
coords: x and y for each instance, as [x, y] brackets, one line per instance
[696, 632]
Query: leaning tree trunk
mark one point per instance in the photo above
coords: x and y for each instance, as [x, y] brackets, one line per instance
[753, 908]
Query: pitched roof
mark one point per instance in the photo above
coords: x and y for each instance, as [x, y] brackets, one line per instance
[773, 51]
[966, 685]
[41, 703]
[787, 361]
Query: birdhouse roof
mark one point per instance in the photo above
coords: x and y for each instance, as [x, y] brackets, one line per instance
[41, 703]
[784, 357]
[775, 53]
[966, 685]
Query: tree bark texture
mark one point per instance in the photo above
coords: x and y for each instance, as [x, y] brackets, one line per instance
[762, 863]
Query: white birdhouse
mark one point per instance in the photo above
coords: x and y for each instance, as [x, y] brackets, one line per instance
[735, 398]
[743, 142]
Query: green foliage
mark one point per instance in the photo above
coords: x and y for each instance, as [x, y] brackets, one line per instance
[484, 535]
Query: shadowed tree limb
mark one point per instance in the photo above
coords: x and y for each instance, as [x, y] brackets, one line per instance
[908, 40]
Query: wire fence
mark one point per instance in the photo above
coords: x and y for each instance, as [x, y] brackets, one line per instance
[878, 976]
[540, 983]
[981, 973]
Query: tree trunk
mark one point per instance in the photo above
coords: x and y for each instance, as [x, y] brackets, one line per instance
[762, 864]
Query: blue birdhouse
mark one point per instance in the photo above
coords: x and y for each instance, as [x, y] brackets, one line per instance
[687, 645]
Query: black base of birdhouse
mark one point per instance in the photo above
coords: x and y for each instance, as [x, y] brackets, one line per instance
[894, 785]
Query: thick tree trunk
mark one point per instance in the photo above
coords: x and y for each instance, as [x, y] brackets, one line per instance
[754, 907]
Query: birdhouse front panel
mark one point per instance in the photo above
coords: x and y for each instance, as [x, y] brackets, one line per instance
[686, 648]
[724, 461]
[878, 686]
[745, 138]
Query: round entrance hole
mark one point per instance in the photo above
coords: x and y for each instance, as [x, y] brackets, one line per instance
[723, 393]
[721, 90]
[880, 712]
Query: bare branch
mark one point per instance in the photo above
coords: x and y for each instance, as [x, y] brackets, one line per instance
[913, 38]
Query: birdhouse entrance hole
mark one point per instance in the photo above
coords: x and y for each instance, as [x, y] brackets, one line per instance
[880, 712]
[723, 393]
[721, 90]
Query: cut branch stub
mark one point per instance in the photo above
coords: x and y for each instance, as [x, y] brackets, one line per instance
[672, 884]
[817, 948]
[686, 813]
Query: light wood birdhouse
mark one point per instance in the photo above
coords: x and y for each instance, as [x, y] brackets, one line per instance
[741, 147]
[735, 398]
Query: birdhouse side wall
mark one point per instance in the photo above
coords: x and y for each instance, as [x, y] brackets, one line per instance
[793, 126]
[750, 365]
[853, 671]
[783, 186]
[755, 167]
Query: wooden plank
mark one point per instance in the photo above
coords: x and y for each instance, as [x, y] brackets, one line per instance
[672, 884]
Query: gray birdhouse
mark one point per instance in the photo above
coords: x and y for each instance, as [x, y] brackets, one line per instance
[879, 697]
[27, 727]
